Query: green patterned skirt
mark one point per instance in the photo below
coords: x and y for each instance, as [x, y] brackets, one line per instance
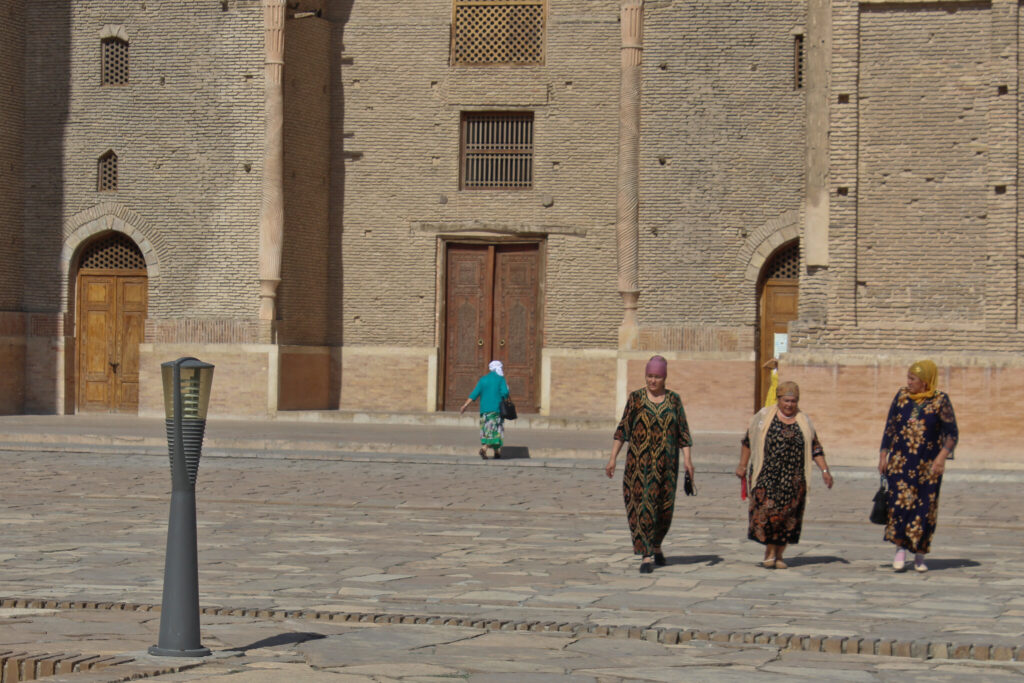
[492, 429]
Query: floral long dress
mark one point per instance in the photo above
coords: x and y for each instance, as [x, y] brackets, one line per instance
[779, 495]
[915, 432]
[655, 432]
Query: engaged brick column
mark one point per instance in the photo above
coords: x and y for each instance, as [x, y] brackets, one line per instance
[272, 214]
[627, 222]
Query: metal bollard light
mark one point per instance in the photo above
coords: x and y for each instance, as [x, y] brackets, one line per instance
[186, 384]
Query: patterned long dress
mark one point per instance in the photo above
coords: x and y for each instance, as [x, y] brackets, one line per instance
[655, 432]
[779, 495]
[915, 432]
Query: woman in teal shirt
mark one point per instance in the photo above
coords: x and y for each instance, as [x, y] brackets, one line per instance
[490, 389]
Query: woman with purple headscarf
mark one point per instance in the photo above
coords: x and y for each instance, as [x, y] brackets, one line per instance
[654, 424]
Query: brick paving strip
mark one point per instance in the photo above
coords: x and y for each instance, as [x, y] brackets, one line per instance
[833, 645]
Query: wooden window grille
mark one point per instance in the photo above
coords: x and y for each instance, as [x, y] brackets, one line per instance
[498, 31]
[114, 62]
[106, 172]
[798, 61]
[114, 250]
[497, 150]
[784, 263]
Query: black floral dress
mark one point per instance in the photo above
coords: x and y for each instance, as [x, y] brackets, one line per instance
[915, 432]
[655, 432]
[779, 495]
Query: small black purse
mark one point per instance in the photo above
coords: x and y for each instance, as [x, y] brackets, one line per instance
[689, 488]
[507, 409]
[880, 505]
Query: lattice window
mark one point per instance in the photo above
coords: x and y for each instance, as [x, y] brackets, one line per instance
[784, 263]
[497, 150]
[798, 61]
[113, 61]
[498, 31]
[115, 250]
[106, 172]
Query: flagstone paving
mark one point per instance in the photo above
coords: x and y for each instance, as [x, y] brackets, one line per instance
[509, 543]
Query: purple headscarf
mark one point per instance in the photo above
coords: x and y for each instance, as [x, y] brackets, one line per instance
[657, 365]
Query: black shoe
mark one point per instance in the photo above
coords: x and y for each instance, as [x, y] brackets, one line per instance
[646, 567]
[497, 454]
[659, 559]
[483, 453]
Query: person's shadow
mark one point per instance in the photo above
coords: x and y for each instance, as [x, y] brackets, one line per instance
[513, 452]
[710, 560]
[945, 563]
[806, 560]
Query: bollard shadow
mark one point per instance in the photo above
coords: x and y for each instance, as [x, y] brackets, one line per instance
[815, 559]
[512, 452]
[710, 560]
[278, 640]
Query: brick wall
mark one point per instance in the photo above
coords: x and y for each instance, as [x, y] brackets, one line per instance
[187, 132]
[11, 129]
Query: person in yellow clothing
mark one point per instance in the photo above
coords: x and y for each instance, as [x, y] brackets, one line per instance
[770, 396]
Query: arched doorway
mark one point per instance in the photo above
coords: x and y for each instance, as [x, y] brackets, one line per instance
[111, 292]
[778, 288]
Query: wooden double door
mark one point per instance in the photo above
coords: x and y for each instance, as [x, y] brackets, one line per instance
[111, 320]
[492, 312]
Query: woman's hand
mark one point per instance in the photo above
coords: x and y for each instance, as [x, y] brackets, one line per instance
[741, 470]
[688, 462]
[609, 469]
[827, 476]
[883, 460]
[465, 405]
[939, 465]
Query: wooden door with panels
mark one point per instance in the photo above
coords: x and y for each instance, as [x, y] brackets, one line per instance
[112, 297]
[777, 307]
[492, 297]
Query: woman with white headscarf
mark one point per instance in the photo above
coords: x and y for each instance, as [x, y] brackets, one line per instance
[490, 389]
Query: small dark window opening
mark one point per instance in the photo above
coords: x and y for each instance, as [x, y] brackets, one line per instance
[497, 150]
[798, 61]
[113, 62]
[106, 172]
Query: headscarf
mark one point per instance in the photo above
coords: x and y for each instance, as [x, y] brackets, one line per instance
[657, 365]
[496, 366]
[787, 389]
[927, 372]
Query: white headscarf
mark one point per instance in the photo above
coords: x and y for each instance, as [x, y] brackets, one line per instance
[495, 366]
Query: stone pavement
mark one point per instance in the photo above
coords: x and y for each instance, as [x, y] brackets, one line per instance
[403, 565]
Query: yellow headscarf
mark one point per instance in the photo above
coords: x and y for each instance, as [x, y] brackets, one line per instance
[927, 372]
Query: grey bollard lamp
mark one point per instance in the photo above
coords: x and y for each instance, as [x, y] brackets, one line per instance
[187, 383]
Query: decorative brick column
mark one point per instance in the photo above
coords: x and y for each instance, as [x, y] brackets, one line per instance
[627, 219]
[272, 214]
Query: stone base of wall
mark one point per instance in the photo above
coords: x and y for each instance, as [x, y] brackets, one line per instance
[244, 378]
[47, 369]
[389, 378]
[849, 399]
[12, 379]
[309, 378]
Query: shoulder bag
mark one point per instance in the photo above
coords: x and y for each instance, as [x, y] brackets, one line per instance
[507, 409]
[880, 505]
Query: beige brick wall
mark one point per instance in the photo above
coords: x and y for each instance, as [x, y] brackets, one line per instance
[583, 386]
[849, 401]
[185, 129]
[308, 378]
[12, 379]
[240, 377]
[391, 379]
[11, 130]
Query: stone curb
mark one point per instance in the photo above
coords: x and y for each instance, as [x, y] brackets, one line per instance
[835, 645]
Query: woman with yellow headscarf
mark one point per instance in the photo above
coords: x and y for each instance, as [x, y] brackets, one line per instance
[920, 433]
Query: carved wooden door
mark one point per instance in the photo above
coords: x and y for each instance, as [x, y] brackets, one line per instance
[492, 297]
[778, 308]
[111, 318]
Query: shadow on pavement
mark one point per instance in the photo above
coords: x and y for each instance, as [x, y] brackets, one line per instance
[711, 560]
[510, 452]
[951, 563]
[280, 639]
[815, 559]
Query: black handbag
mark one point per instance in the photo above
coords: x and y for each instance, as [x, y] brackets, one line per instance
[689, 488]
[507, 409]
[880, 506]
